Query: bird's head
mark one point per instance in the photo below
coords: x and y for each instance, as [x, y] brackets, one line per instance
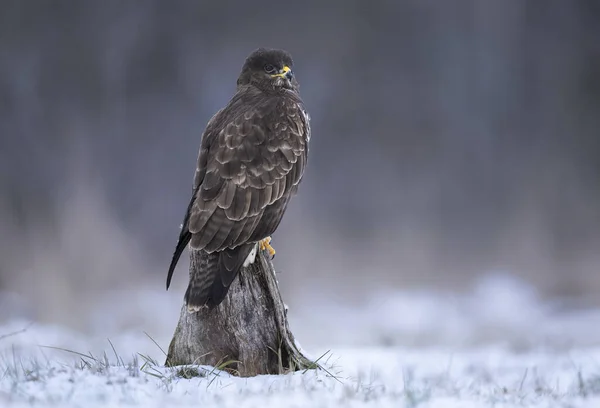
[269, 70]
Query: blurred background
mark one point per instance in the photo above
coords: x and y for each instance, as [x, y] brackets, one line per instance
[452, 141]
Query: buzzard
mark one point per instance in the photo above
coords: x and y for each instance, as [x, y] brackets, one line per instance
[251, 160]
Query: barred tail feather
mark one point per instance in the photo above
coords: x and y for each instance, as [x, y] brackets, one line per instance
[211, 283]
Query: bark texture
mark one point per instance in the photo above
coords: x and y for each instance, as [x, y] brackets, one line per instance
[249, 327]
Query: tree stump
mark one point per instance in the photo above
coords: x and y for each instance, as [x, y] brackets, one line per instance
[248, 330]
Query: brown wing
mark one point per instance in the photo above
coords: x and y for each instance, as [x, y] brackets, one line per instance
[251, 160]
[256, 159]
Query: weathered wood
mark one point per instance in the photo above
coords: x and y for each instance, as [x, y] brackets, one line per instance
[249, 327]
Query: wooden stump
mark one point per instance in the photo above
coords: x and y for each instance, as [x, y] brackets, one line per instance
[249, 329]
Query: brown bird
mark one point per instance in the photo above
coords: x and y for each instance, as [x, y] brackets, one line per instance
[251, 160]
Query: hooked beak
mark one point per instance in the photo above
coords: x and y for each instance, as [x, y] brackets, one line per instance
[285, 72]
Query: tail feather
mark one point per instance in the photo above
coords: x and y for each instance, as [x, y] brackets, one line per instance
[211, 283]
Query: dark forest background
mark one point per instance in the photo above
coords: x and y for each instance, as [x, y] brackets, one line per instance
[450, 139]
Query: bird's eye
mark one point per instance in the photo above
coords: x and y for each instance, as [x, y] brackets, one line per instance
[269, 69]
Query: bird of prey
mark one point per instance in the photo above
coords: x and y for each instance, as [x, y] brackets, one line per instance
[252, 157]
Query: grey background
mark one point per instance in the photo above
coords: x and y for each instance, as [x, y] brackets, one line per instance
[450, 140]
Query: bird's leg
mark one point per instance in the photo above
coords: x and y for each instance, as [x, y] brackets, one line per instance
[266, 244]
[251, 256]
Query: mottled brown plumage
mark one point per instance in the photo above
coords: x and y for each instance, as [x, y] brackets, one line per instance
[252, 158]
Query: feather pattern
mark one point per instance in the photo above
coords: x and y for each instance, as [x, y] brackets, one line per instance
[251, 160]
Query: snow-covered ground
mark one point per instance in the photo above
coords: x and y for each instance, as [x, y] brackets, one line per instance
[497, 346]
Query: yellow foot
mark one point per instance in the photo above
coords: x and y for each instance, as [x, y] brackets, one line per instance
[266, 244]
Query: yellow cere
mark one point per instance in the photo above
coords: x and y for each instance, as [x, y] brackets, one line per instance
[284, 71]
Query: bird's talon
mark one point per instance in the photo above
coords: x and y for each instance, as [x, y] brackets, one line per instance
[265, 245]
